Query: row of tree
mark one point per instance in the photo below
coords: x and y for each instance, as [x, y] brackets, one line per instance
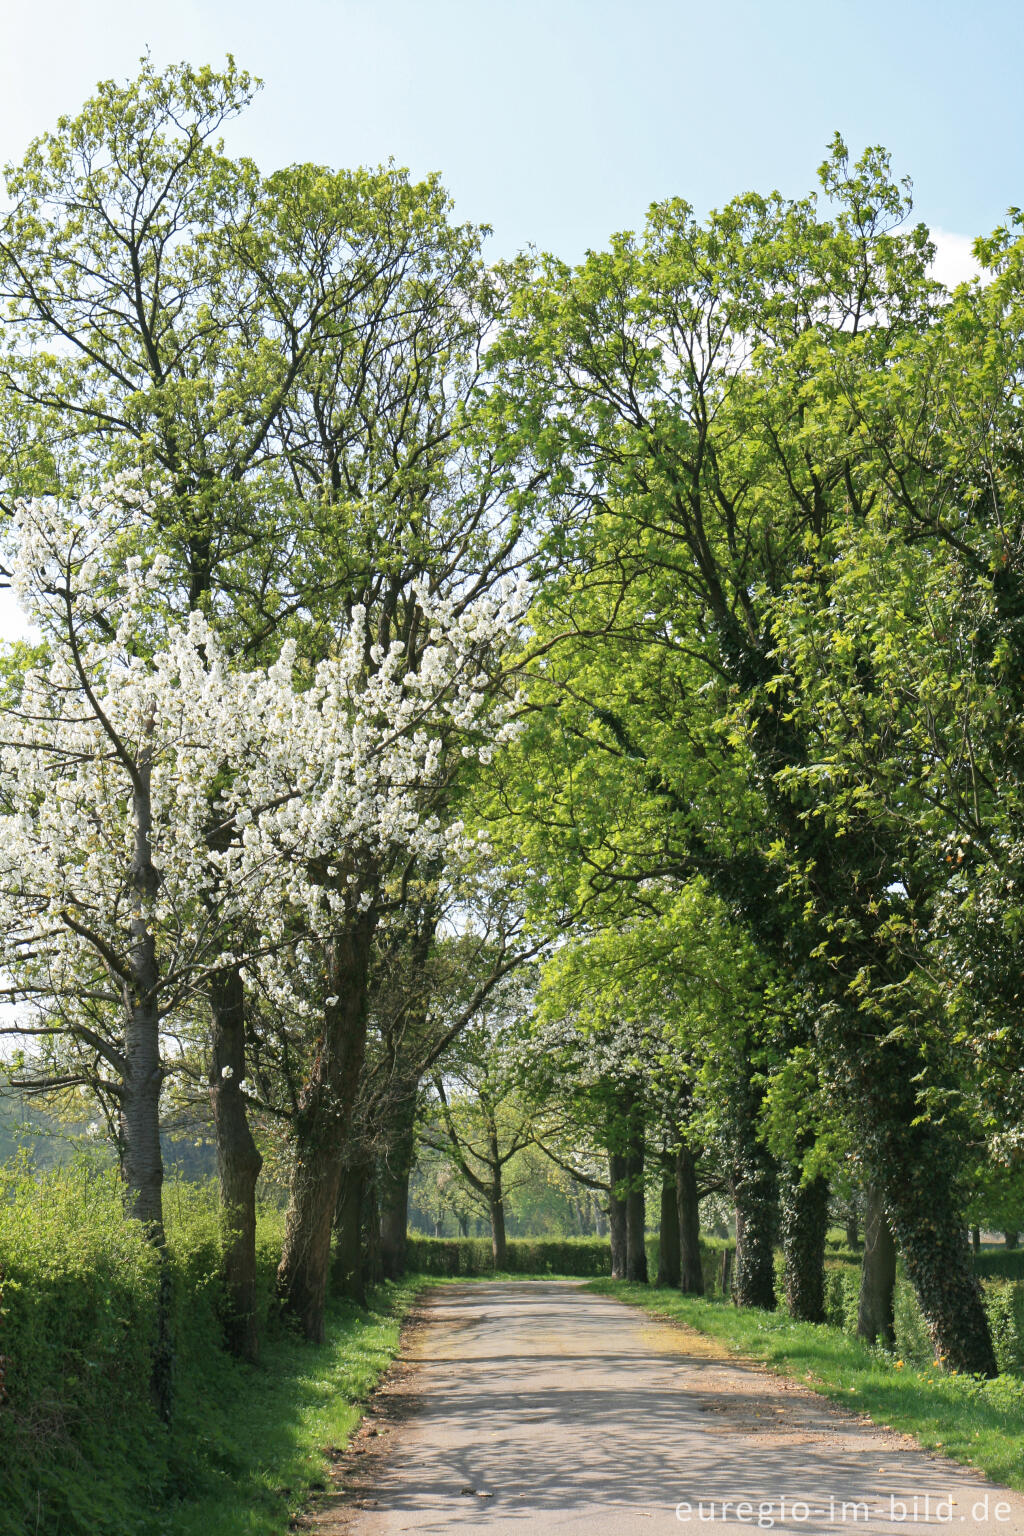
[635, 650]
[271, 561]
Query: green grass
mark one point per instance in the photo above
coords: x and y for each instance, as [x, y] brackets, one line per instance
[978, 1423]
[266, 1431]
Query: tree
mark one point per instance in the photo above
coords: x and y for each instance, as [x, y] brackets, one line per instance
[477, 1119]
[295, 357]
[704, 463]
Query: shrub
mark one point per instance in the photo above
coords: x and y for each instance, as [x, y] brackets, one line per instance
[1000, 1263]
[588, 1257]
[1004, 1304]
[77, 1322]
[82, 1451]
[842, 1295]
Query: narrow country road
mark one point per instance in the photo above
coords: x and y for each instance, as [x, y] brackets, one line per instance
[539, 1407]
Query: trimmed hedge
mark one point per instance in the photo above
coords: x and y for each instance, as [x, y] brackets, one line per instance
[588, 1257]
[1000, 1263]
[453, 1256]
[1004, 1305]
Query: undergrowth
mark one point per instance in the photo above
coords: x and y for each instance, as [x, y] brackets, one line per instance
[82, 1451]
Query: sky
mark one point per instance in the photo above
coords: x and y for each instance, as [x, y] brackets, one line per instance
[559, 122]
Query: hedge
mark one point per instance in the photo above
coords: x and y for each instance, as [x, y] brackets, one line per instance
[81, 1447]
[1004, 1305]
[1000, 1263]
[588, 1257]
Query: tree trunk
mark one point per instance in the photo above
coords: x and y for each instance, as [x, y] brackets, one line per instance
[142, 1168]
[1011, 1239]
[939, 1266]
[617, 1214]
[913, 1169]
[636, 1204]
[691, 1266]
[347, 1268]
[636, 1216]
[238, 1165]
[976, 1240]
[668, 1226]
[852, 1230]
[804, 1210]
[372, 1261]
[875, 1321]
[321, 1126]
[499, 1247]
[756, 1194]
[394, 1190]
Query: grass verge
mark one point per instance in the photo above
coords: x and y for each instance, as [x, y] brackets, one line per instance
[265, 1432]
[978, 1423]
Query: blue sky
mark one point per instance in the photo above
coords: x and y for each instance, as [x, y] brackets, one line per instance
[559, 122]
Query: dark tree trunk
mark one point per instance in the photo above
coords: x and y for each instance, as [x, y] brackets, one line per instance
[852, 1230]
[142, 1168]
[915, 1170]
[636, 1210]
[617, 1214]
[238, 1165]
[976, 1240]
[394, 1187]
[756, 1194]
[691, 1266]
[875, 1321]
[1011, 1239]
[394, 1225]
[804, 1223]
[499, 1246]
[668, 1226]
[373, 1264]
[347, 1268]
[321, 1128]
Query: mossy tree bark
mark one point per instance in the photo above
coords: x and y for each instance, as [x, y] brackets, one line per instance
[804, 1223]
[347, 1270]
[617, 1214]
[499, 1244]
[636, 1205]
[394, 1185]
[755, 1191]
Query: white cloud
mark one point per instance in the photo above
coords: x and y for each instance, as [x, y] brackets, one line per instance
[954, 260]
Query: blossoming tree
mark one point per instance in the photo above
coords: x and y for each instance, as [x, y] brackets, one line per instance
[171, 816]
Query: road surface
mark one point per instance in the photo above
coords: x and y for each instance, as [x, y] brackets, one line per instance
[538, 1407]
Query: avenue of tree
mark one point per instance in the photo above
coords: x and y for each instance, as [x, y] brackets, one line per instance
[515, 712]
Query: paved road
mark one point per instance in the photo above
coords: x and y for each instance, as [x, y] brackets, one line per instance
[539, 1407]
